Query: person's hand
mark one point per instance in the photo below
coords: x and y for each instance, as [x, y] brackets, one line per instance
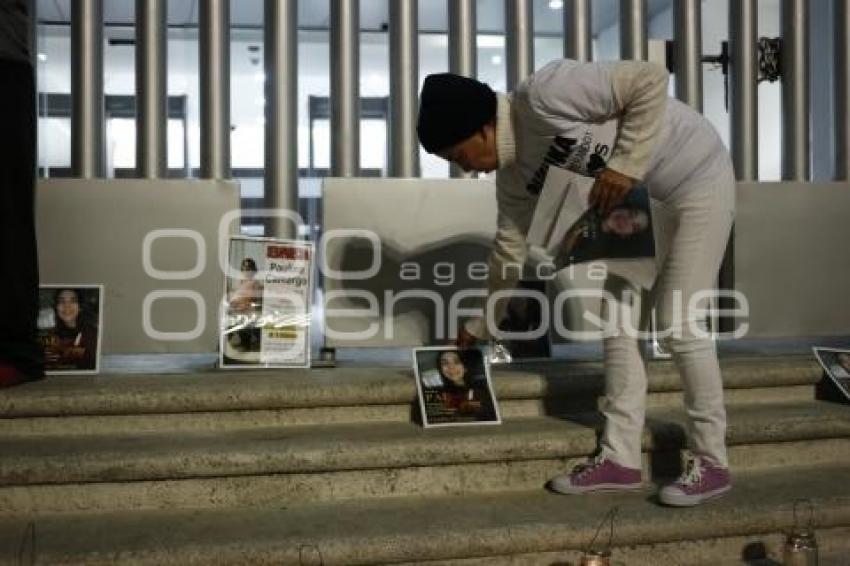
[609, 190]
[464, 339]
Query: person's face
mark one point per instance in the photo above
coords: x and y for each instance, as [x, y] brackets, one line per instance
[452, 368]
[475, 153]
[68, 307]
[844, 361]
[626, 222]
[247, 273]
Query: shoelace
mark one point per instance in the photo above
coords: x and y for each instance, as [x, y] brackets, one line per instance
[693, 473]
[591, 464]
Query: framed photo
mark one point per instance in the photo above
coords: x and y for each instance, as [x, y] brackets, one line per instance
[454, 387]
[70, 322]
[836, 364]
[266, 310]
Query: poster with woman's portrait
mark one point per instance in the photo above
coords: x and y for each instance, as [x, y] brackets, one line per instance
[69, 327]
[454, 387]
[624, 232]
[565, 231]
[836, 364]
[265, 314]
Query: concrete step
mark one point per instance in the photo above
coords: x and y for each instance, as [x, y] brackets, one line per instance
[530, 527]
[223, 401]
[336, 462]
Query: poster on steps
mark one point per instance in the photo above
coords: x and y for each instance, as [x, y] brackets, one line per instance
[836, 364]
[266, 307]
[454, 387]
[70, 319]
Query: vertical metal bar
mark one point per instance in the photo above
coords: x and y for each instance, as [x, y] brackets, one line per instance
[37, 99]
[519, 41]
[32, 8]
[462, 50]
[633, 18]
[281, 153]
[743, 88]
[345, 88]
[842, 90]
[404, 81]
[687, 17]
[151, 93]
[795, 90]
[743, 112]
[87, 140]
[578, 39]
[821, 90]
[214, 31]
[187, 167]
[462, 37]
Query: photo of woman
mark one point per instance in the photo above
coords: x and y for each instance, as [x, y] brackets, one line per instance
[454, 387]
[623, 232]
[247, 297]
[69, 328]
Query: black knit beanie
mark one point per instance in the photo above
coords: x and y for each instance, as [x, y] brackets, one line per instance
[452, 108]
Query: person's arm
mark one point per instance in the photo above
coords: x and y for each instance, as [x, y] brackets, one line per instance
[633, 92]
[507, 258]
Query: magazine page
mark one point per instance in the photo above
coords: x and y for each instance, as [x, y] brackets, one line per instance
[643, 271]
[568, 230]
[69, 327]
[553, 213]
[267, 304]
[572, 211]
[454, 387]
[623, 232]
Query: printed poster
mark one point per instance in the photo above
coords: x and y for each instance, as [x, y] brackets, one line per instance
[267, 304]
[69, 325]
[454, 387]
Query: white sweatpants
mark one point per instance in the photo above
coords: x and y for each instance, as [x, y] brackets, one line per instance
[705, 213]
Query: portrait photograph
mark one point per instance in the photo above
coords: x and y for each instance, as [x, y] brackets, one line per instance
[624, 232]
[69, 327]
[454, 387]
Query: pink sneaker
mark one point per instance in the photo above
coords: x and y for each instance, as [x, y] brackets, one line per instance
[701, 481]
[596, 474]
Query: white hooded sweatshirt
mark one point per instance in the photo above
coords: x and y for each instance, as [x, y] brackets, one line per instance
[585, 117]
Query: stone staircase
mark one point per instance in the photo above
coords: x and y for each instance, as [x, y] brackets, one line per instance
[329, 467]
